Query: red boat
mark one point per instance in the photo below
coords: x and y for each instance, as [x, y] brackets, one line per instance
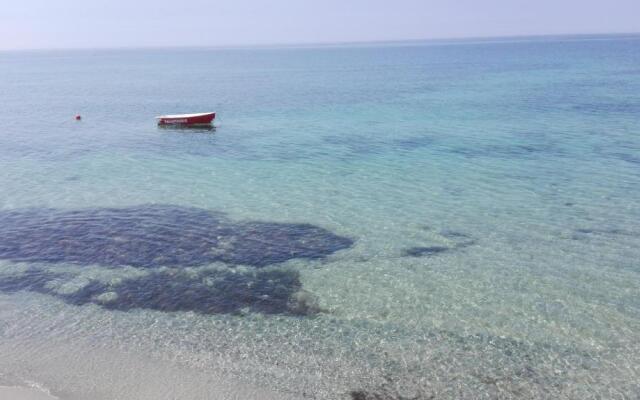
[187, 119]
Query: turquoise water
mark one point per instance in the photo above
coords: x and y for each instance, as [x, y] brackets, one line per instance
[488, 193]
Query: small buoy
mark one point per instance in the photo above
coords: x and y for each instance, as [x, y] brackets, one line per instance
[78, 117]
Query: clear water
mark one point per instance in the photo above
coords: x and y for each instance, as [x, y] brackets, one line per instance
[521, 159]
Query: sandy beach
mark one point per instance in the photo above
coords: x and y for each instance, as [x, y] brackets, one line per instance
[23, 393]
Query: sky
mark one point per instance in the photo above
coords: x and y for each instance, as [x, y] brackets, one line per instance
[29, 24]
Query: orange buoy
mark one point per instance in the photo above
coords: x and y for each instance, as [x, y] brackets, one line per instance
[78, 117]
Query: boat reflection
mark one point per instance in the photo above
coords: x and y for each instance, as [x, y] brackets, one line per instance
[188, 128]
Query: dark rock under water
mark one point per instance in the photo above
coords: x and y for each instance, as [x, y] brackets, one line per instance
[457, 240]
[151, 236]
[424, 251]
[383, 395]
[204, 292]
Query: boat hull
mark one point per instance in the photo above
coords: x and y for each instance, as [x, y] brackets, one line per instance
[187, 119]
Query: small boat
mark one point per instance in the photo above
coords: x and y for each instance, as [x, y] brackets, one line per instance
[187, 119]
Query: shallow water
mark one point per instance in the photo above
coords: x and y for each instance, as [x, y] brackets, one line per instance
[425, 219]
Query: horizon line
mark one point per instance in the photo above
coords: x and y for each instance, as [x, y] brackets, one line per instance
[355, 43]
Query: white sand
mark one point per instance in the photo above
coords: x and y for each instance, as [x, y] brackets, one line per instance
[23, 393]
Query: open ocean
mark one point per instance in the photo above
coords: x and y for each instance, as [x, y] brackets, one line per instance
[419, 220]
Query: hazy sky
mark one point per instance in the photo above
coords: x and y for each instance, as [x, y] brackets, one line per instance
[133, 23]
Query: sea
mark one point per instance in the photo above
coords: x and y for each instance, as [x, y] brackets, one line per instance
[381, 221]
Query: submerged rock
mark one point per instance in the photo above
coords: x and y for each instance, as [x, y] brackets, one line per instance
[32, 280]
[383, 395]
[424, 251]
[206, 292]
[151, 236]
[388, 389]
[303, 303]
[454, 235]
[455, 239]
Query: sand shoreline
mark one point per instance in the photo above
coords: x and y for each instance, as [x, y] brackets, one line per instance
[24, 393]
